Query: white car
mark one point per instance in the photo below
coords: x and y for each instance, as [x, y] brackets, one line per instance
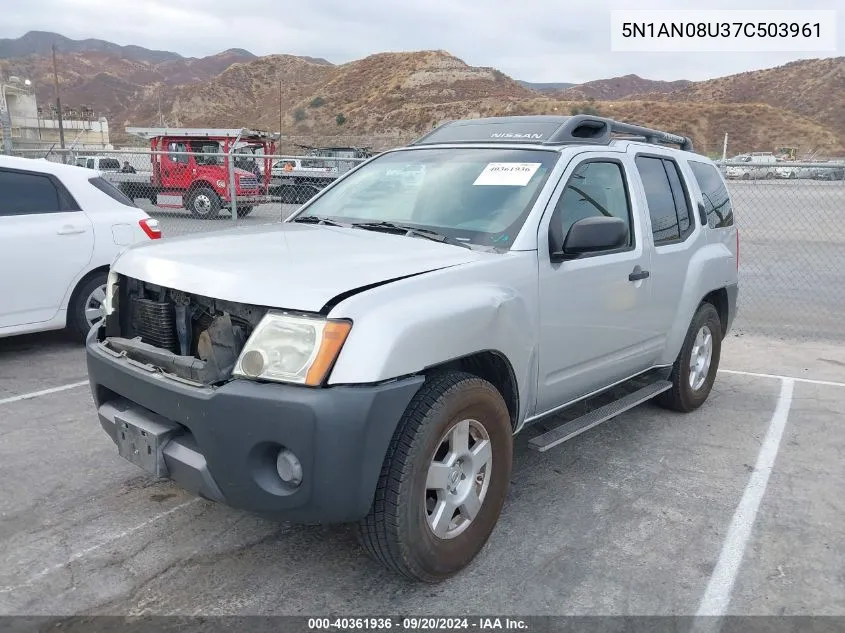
[61, 226]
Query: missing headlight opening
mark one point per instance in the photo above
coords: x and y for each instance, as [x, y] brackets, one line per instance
[192, 337]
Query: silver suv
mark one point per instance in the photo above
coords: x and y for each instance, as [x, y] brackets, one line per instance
[370, 359]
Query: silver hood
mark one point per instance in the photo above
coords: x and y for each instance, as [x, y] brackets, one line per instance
[293, 266]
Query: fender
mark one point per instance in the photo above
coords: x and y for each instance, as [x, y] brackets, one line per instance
[702, 275]
[411, 325]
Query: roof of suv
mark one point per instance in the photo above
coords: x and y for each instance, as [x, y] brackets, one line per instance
[546, 130]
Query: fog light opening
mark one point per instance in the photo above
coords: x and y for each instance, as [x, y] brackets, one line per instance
[289, 468]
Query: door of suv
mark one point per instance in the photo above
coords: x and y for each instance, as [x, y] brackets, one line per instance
[673, 228]
[594, 325]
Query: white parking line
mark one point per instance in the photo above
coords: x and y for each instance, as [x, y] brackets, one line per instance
[828, 383]
[81, 554]
[43, 392]
[717, 596]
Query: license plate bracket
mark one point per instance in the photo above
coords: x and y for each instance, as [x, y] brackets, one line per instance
[141, 441]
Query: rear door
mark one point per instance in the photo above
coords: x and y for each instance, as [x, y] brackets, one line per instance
[594, 310]
[46, 241]
[673, 231]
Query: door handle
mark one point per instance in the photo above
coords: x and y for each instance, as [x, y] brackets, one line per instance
[70, 230]
[637, 274]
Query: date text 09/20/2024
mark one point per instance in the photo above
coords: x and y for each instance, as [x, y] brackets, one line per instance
[417, 624]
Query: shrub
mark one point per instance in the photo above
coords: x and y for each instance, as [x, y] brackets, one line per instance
[299, 115]
[340, 119]
[316, 102]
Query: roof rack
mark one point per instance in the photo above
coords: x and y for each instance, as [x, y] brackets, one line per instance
[546, 130]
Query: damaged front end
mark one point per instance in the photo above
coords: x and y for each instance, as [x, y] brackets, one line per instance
[190, 337]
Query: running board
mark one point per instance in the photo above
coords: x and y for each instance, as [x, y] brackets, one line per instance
[572, 428]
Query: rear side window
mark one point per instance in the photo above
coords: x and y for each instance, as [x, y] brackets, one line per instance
[682, 207]
[668, 204]
[717, 202]
[27, 193]
[112, 192]
[109, 163]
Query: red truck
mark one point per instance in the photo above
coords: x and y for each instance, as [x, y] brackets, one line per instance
[189, 168]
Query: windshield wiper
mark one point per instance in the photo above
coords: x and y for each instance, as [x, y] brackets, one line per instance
[315, 219]
[409, 231]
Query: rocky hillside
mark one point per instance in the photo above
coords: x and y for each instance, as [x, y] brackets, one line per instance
[814, 88]
[109, 83]
[41, 43]
[401, 95]
[619, 88]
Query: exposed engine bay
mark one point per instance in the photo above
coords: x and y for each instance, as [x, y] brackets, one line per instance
[191, 337]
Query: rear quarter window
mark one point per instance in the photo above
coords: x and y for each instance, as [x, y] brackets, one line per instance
[112, 192]
[717, 200]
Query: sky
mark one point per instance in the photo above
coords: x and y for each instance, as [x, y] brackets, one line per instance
[531, 40]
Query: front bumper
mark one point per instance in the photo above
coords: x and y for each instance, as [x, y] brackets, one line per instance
[253, 199]
[733, 297]
[222, 443]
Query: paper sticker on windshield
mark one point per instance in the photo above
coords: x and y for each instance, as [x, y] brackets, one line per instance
[513, 174]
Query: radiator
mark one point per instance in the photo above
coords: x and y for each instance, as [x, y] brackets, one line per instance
[155, 323]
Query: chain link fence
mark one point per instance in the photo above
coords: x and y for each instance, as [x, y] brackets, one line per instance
[790, 215]
[791, 221]
[190, 192]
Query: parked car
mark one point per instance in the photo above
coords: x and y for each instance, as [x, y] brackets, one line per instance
[99, 163]
[60, 228]
[759, 165]
[370, 359]
[296, 180]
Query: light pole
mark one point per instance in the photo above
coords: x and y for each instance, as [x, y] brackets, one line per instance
[58, 102]
[5, 119]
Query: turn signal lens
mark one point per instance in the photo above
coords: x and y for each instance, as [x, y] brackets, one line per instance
[334, 336]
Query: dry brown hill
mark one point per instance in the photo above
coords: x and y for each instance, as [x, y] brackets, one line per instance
[814, 88]
[619, 88]
[88, 78]
[401, 95]
[382, 93]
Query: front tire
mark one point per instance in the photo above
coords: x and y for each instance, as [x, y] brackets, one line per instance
[204, 204]
[444, 480]
[694, 371]
[244, 211]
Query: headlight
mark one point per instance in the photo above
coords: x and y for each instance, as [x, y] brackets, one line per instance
[295, 349]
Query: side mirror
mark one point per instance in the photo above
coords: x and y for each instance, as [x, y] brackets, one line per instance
[590, 235]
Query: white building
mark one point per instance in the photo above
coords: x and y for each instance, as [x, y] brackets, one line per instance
[23, 125]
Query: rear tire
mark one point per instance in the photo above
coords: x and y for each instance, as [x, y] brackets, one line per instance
[450, 457]
[87, 298]
[244, 211]
[204, 204]
[694, 371]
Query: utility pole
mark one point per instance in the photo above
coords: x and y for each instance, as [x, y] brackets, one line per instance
[725, 148]
[280, 108]
[58, 101]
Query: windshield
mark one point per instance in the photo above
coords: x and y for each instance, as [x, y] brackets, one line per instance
[475, 195]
